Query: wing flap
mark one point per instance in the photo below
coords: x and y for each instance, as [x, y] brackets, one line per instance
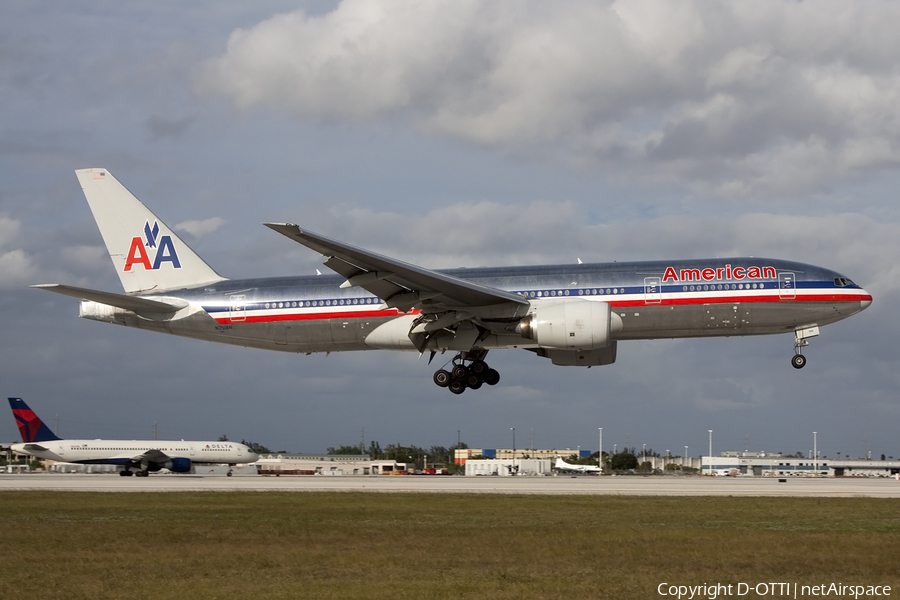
[403, 285]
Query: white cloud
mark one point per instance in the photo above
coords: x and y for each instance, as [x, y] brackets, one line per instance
[200, 228]
[9, 231]
[16, 265]
[730, 97]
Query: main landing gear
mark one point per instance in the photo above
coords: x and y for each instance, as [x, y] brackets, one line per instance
[462, 376]
[798, 361]
[129, 473]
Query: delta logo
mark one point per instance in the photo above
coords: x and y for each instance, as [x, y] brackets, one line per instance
[161, 247]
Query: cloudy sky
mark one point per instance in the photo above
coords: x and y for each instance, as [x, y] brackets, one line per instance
[455, 133]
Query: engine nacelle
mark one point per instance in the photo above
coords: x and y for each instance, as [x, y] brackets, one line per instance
[570, 324]
[178, 465]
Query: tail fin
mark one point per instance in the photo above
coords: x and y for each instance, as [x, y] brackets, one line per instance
[148, 256]
[30, 425]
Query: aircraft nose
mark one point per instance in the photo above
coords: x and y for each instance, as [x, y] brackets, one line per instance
[867, 301]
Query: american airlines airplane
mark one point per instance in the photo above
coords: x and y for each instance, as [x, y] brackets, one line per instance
[134, 456]
[572, 314]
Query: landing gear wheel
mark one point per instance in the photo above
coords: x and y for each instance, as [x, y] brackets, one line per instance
[124, 473]
[442, 378]
[798, 361]
[466, 370]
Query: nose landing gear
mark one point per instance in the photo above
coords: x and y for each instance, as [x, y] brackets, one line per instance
[463, 376]
[798, 361]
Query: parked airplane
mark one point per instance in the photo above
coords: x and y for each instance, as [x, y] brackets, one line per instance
[564, 466]
[572, 314]
[134, 456]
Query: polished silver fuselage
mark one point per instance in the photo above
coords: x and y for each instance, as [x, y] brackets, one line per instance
[656, 299]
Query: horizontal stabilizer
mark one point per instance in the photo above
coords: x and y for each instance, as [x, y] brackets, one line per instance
[141, 306]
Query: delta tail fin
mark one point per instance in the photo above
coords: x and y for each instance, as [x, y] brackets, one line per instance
[30, 425]
[148, 256]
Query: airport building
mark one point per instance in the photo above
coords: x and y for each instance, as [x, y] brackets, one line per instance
[463, 455]
[504, 467]
[761, 464]
[327, 464]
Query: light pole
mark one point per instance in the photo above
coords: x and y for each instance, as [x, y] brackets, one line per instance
[815, 453]
[513, 429]
[600, 452]
[685, 456]
[643, 455]
[710, 451]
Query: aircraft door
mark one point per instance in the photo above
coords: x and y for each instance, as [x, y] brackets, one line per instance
[652, 290]
[237, 313]
[787, 286]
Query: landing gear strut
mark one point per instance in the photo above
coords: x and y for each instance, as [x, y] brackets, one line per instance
[798, 361]
[462, 376]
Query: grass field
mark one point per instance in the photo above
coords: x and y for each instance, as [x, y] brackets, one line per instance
[359, 545]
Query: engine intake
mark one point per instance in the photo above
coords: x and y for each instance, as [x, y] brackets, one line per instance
[571, 324]
[178, 464]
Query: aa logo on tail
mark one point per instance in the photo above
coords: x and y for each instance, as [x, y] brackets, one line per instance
[164, 250]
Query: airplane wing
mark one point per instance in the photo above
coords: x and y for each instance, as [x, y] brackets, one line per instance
[141, 306]
[151, 456]
[405, 286]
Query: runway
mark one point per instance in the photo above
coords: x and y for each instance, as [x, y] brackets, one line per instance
[560, 485]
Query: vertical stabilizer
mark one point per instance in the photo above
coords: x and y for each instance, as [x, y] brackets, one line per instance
[147, 255]
[30, 425]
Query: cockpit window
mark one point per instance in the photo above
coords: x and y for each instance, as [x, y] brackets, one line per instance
[843, 282]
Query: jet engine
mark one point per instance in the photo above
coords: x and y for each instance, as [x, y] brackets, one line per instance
[178, 465]
[570, 324]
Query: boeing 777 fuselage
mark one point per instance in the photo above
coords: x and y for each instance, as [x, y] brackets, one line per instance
[572, 314]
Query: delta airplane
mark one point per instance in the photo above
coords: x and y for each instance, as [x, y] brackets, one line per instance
[564, 466]
[134, 456]
[572, 314]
